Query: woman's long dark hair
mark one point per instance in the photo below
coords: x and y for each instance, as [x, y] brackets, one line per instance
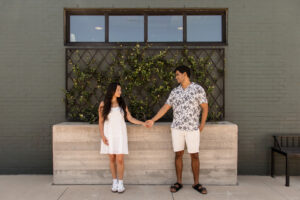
[111, 90]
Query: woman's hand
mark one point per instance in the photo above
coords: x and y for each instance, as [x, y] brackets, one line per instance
[105, 141]
[144, 124]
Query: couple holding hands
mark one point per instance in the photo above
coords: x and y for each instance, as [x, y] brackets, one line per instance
[187, 100]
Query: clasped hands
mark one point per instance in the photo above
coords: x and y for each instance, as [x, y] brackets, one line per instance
[149, 123]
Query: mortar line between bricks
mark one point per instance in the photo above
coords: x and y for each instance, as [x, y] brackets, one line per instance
[63, 193]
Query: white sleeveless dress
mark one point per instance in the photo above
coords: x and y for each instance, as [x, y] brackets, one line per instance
[116, 133]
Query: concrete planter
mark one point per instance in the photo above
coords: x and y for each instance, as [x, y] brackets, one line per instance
[76, 157]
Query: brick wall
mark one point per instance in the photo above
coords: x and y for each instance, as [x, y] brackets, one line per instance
[261, 91]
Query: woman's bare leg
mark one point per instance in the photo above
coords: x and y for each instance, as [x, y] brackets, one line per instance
[112, 165]
[120, 165]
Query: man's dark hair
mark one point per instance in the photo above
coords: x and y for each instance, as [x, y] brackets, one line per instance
[182, 69]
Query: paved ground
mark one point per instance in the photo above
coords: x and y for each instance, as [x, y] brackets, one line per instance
[39, 187]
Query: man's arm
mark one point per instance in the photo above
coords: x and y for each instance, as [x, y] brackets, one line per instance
[158, 115]
[204, 107]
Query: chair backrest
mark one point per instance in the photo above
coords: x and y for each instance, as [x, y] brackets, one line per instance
[286, 141]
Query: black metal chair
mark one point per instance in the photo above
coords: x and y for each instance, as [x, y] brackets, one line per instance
[287, 145]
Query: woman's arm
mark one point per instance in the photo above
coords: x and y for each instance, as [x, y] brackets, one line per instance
[101, 123]
[132, 119]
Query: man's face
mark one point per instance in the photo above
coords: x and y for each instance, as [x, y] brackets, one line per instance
[180, 76]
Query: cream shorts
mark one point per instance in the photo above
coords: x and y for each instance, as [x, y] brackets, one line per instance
[191, 138]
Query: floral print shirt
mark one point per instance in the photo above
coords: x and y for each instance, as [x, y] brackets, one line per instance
[186, 106]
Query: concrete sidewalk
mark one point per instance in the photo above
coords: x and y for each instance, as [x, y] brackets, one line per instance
[39, 187]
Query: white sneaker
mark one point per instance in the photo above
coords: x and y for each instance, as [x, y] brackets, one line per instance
[114, 187]
[121, 188]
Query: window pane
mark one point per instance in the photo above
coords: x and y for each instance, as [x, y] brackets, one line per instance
[126, 28]
[165, 29]
[204, 28]
[87, 28]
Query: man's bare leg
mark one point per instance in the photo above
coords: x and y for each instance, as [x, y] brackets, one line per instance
[179, 167]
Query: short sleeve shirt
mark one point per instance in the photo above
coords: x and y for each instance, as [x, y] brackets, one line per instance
[186, 106]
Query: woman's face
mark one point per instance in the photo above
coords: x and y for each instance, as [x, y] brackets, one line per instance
[118, 91]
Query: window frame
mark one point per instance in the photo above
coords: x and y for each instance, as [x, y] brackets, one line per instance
[144, 12]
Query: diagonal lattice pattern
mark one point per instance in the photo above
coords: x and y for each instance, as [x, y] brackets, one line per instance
[103, 58]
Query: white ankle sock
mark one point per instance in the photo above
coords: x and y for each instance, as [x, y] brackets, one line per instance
[120, 182]
[115, 181]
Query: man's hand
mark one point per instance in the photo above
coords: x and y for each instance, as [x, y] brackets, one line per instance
[149, 123]
[158, 115]
[105, 141]
[201, 127]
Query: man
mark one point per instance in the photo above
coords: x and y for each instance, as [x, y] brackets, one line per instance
[187, 100]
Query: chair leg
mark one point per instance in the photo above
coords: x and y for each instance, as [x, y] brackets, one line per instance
[287, 175]
[272, 163]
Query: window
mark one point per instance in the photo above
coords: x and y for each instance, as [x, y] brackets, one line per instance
[87, 28]
[165, 28]
[204, 28]
[126, 28]
[155, 26]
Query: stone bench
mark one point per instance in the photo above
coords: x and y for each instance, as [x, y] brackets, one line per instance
[76, 157]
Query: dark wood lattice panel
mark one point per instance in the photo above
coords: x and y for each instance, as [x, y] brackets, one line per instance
[102, 58]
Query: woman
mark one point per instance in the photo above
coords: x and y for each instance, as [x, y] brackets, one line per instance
[113, 131]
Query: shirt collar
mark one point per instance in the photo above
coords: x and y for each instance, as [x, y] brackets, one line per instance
[186, 87]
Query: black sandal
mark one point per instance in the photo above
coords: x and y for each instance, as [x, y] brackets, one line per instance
[176, 186]
[200, 188]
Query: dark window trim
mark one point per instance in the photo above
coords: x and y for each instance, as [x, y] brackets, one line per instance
[145, 13]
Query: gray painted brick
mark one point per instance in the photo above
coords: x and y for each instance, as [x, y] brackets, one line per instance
[261, 79]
